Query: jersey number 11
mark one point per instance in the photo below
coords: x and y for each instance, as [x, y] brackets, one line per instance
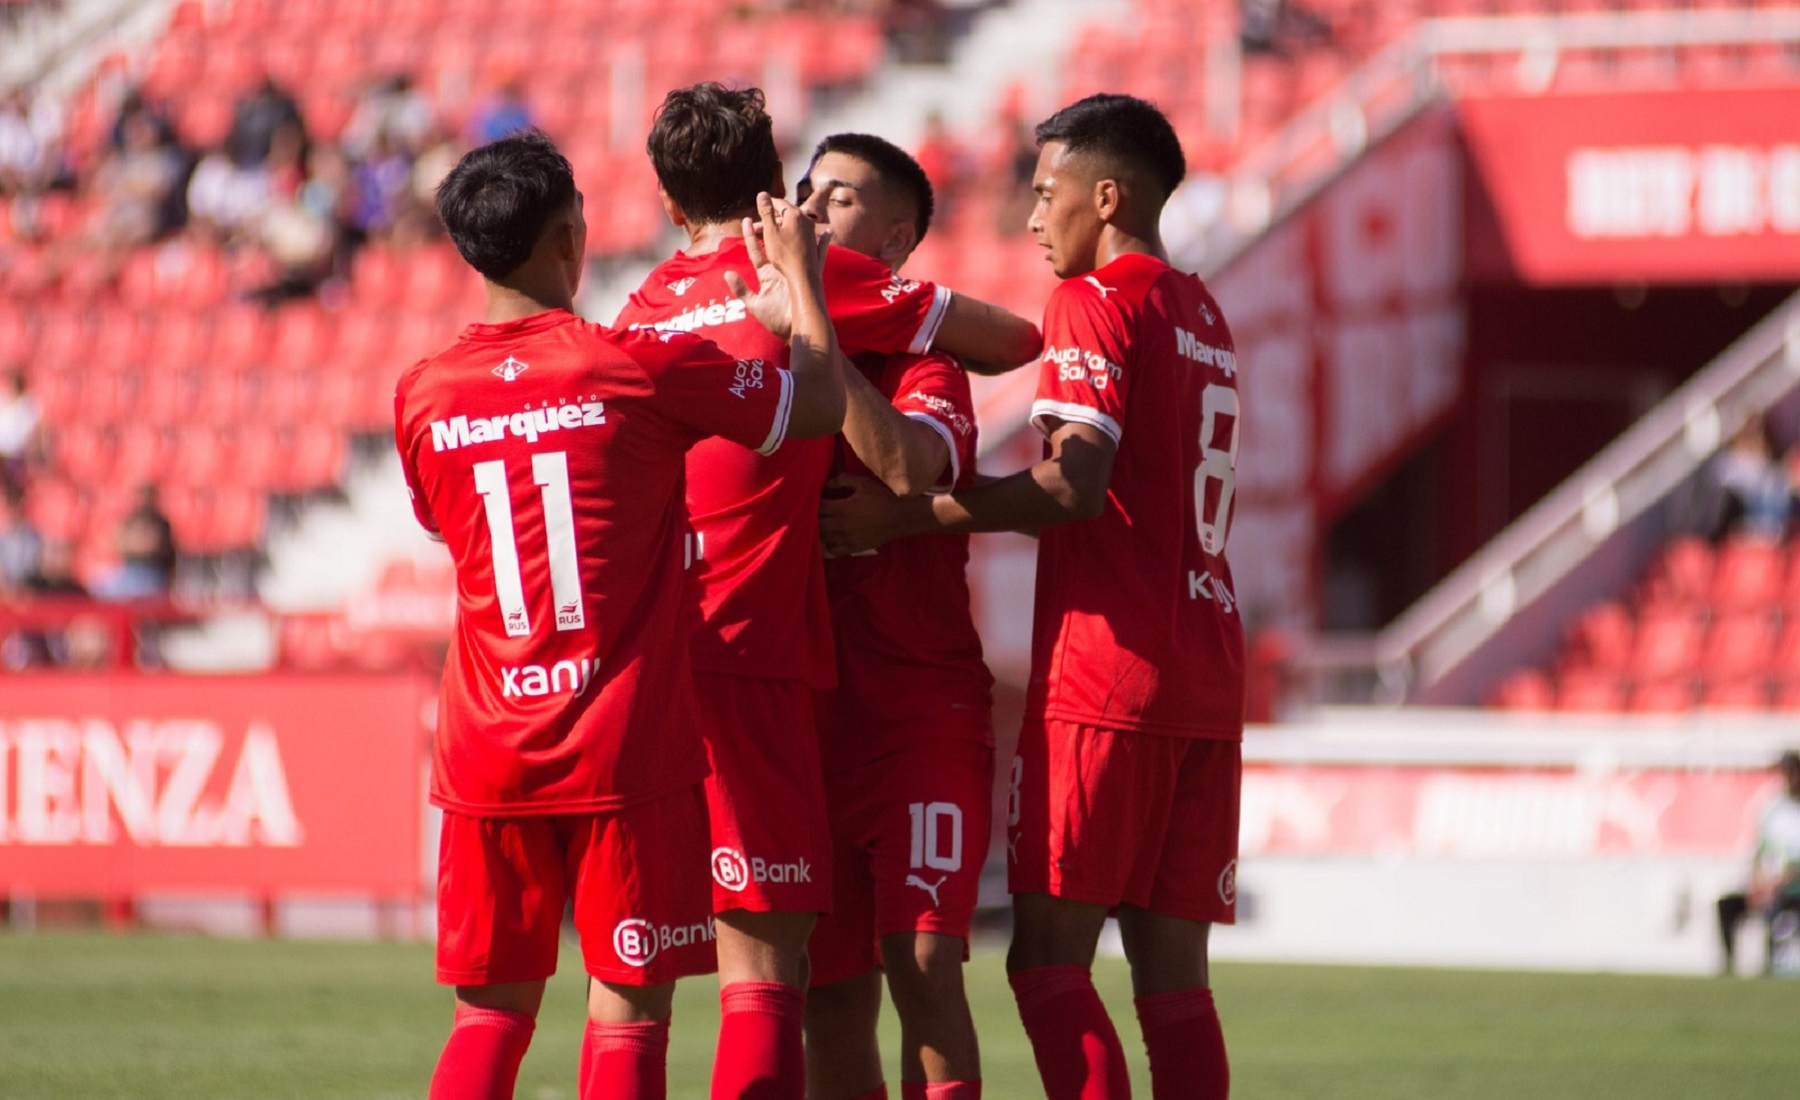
[550, 471]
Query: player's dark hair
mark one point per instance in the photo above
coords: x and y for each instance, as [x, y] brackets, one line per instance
[499, 197]
[894, 165]
[713, 148]
[1122, 129]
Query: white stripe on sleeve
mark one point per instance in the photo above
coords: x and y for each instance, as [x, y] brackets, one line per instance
[784, 407]
[948, 481]
[940, 304]
[1042, 410]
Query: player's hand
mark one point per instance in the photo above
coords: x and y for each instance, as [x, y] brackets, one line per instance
[858, 515]
[785, 247]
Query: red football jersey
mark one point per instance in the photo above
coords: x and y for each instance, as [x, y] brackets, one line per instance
[1137, 623]
[906, 640]
[756, 519]
[548, 455]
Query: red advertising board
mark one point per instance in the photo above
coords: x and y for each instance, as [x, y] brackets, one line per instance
[1688, 186]
[1490, 813]
[123, 785]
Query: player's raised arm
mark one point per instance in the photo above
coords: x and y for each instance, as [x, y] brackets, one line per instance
[1069, 485]
[986, 338]
[788, 253]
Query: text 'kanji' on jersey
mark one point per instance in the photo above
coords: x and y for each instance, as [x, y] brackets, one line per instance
[460, 431]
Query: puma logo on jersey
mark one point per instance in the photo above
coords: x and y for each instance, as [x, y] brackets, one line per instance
[929, 887]
[1205, 586]
[680, 286]
[511, 369]
[1096, 284]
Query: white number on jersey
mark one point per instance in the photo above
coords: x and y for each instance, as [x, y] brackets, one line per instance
[928, 836]
[550, 471]
[1216, 465]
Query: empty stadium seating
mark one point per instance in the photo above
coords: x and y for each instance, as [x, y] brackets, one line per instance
[1717, 628]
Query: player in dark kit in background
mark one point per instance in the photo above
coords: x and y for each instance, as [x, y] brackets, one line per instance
[548, 454]
[764, 642]
[1125, 787]
[906, 738]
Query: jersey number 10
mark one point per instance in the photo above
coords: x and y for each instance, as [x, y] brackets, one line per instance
[550, 471]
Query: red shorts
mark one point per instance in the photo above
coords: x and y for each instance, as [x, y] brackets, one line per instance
[771, 846]
[910, 833]
[643, 916]
[1117, 817]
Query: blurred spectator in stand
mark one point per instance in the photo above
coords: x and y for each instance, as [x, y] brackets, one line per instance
[133, 106]
[30, 143]
[500, 112]
[258, 117]
[917, 31]
[53, 578]
[1774, 887]
[21, 546]
[1748, 489]
[139, 187]
[1280, 28]
[226, 197]
[392, 109]
[21, 432]
[939, 155]
[1018, 164]
[145, 542]
[380, 189]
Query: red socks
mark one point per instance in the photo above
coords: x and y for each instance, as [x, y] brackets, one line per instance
[481, 1060]
[1186, 1046]
[761, 1054]
[625, 1060]
[941, 1090]
[1078, 1052]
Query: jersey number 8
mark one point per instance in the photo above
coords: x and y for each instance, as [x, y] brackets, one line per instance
[1216, 465]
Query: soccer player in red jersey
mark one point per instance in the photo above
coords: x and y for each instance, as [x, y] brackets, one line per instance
[906, 737]
[764, 642]
[1125, 787]
[548, 454]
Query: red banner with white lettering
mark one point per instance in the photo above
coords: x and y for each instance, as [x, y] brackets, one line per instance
[1674, 186]
[115, 786]
[1488, 813]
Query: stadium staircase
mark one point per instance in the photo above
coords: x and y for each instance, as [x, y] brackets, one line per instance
[1508, 605]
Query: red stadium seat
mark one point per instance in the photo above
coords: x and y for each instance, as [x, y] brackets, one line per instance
[1667, 643]
[1601, 637]
[1669, 695]
[57, 508]
[1745, 693]
[1738, 644]
[1590, 689]
[238, 518]
[240, 336]
[144, 453]
[1682, 572]
[83, 452]
[1750, 575]
[1527, 689]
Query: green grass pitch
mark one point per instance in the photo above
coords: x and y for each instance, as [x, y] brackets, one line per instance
[151, 1017]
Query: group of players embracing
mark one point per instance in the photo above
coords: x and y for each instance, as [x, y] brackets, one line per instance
[712, 613]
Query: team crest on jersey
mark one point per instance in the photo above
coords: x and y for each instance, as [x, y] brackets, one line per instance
[680, 286]
[510, 369]
[1206, 314]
